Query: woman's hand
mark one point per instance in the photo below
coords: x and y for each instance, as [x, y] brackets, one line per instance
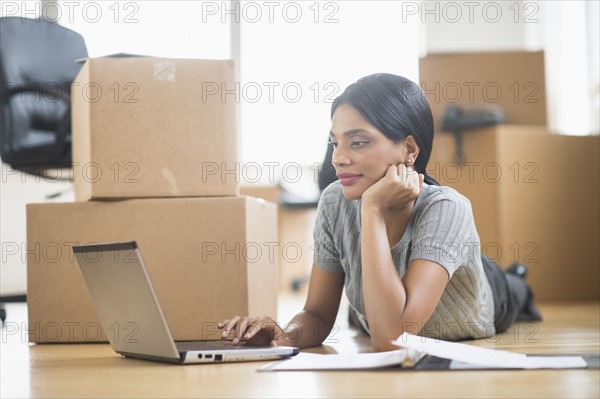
[400, 186]
[253, 331]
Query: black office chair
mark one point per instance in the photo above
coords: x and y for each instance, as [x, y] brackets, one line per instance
[327, 171]
[457, 120]
[37, 68]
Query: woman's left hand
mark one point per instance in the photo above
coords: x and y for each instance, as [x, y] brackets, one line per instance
[400, 186]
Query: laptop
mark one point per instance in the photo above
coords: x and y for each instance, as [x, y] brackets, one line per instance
[133, 320]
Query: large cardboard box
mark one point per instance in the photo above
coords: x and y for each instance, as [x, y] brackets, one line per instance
[535, 199]
[512, 80]
[153, 127]
[209, 259]
[295, 238]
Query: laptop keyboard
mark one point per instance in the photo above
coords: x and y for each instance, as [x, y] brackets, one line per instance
[207, 345]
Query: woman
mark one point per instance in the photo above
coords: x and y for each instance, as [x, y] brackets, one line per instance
[405, 248]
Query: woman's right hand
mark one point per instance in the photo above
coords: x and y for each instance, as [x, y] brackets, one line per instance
[253, 331]
[397, 189]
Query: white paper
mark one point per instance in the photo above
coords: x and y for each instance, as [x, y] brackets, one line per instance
[532, 362]
[465, 356]
[462, 357]
[352, 361]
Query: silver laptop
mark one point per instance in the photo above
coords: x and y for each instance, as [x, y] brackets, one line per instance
[133, 320]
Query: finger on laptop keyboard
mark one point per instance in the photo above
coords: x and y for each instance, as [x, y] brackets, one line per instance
[241, 329]
[229, 325]
[252, 330]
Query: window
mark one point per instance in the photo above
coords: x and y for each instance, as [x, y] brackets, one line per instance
[171, 29]
[296, 62]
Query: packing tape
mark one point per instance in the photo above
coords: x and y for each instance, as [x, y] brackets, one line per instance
[164, 70]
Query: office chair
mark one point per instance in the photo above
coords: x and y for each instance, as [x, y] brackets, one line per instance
[37, 68]
[456, 120]
[327, 171]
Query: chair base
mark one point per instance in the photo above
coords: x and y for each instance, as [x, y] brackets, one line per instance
[9, 299]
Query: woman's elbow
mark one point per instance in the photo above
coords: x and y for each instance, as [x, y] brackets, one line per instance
[382, 341]
[383, 344]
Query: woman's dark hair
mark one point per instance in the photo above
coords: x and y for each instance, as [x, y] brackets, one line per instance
[397, 107]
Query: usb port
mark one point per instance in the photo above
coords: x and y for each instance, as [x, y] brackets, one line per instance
[209, 356]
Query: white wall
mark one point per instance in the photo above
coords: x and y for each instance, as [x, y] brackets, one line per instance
[330, 46]
[473, 26]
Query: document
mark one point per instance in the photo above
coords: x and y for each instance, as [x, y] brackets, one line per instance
[351, 361]
[465, 356]
[412, 348]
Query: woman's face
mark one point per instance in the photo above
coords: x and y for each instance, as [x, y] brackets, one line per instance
[361, 153]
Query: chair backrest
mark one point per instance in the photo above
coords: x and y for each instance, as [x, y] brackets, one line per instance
[37, 67]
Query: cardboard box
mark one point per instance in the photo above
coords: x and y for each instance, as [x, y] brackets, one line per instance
[295, 237]
[296, 227]
[535, 199]
[152, 127]
[514, 81]
[209, 259]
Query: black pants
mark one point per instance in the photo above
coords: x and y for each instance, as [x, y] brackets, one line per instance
[512, 296]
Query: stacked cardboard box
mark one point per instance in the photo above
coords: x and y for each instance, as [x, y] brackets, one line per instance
[511, 80]
[154, 152]
[295, 237]
[534, 194]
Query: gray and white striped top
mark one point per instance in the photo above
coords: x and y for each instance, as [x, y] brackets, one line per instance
[441, 229]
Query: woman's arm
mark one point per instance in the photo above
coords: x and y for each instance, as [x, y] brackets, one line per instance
[311, 326]
[308, 328]
[394, 305]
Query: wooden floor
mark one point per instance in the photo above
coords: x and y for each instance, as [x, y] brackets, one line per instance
[94, 370]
